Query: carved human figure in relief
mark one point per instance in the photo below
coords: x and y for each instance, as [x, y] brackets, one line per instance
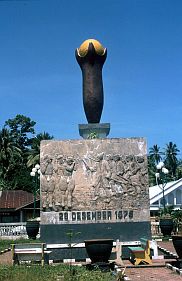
[118, 179]
[69, 169]
[59, 194]
[106, 171]
[97, 180]
[138, 177]
[48, 182]
[65, 184]
[106, 177]
[99, 171]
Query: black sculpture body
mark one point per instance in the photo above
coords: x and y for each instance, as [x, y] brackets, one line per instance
[91, 57]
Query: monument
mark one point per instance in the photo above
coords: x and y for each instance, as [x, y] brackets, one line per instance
[95, 186]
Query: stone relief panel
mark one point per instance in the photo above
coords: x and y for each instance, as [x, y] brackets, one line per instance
[57, 182]
[94, 175]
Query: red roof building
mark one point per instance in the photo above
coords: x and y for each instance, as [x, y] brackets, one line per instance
[17, 205]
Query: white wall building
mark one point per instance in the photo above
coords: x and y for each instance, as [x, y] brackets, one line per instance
[172, 195]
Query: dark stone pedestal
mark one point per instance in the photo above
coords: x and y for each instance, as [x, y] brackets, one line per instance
[53, 234]
[94, 130]
[124, 231]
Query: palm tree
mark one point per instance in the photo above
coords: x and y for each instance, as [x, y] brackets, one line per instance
[179, 169]
[151, 171]
[9, 152]
[171, 161]
[155, 153]
[34, 152]
[154, 158]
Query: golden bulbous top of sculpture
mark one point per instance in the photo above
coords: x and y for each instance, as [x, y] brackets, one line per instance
[83, 49]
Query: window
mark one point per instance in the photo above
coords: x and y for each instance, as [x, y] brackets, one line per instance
[171, 199]
[178, 196]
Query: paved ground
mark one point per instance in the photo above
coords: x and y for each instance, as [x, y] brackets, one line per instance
[168, 245]
[154, 274]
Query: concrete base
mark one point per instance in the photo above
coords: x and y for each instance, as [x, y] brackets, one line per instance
[94, 130]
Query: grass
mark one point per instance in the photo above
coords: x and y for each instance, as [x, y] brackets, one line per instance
[51, 273]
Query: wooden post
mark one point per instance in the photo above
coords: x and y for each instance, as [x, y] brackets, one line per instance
[118, 251]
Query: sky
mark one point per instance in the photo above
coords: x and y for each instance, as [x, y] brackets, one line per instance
[142, 76]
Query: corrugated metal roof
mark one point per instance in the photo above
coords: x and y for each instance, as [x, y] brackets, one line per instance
[15, 199]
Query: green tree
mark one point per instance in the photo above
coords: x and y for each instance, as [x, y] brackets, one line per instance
[154, 157]
[179, 169]
[171, 160]
[13, 172]
[34, 152]
[151, 171]
[17, 147]
[155, 153]
[22, 130]
[9, 153]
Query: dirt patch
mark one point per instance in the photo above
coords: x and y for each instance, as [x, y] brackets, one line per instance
[6, 258]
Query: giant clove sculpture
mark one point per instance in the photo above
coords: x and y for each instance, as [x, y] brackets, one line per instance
[91, 56]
